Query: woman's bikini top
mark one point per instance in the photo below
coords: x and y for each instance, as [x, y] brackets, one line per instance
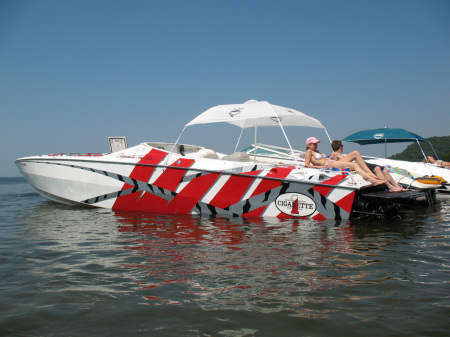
[318, 155]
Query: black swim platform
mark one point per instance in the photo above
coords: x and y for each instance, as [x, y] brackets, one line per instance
[412, 194]
[385, 205]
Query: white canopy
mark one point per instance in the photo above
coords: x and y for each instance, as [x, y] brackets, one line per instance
[253, 114]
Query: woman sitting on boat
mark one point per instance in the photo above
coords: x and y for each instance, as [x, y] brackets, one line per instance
[313, 158]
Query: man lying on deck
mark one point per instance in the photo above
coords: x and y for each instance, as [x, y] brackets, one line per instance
[380, 172]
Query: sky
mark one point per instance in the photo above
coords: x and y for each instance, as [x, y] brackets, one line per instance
[74, 72]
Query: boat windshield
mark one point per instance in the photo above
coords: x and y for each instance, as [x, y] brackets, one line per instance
[272, 151]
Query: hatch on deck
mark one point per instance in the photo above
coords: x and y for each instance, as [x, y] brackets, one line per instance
[117, 143]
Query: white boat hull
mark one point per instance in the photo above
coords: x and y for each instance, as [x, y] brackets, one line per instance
[143, 178]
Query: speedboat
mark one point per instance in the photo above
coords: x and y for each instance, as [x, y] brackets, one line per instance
[276, 154]
[190, 179]
[425, 171]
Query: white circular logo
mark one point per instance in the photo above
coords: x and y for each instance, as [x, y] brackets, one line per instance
[295, 204]
[378, 135]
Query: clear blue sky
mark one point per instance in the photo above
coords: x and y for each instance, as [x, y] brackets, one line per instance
[74, 72]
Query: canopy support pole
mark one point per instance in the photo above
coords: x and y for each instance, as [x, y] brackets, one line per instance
[171, 150]
[239, 139]
[329, 138]
[254, 152]
[287, 139]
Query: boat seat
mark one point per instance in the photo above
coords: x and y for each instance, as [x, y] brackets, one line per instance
[203, 153]
[237, 156]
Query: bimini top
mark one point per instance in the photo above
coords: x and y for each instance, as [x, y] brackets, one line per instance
[385, 135]
[254, 114]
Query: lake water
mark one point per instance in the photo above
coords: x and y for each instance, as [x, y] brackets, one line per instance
[67, 271]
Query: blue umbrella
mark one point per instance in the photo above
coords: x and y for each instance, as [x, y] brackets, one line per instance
[384, 136]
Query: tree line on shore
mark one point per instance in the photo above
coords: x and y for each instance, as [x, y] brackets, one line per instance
[413, 153]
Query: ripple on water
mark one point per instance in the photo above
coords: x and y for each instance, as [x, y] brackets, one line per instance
[75, 271]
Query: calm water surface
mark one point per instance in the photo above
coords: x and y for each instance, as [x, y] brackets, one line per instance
[68, 271]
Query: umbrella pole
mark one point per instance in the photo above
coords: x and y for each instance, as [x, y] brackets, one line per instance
[423, 153]
[437, 157]
[385, 148]
[426, 159]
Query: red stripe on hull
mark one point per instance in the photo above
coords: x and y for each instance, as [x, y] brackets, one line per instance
[280, 172]
[252, 173]
[335, 180]
[267, 184]
[323, 190]
[319, 217]
[170, 178]
[186, 200]
[346, 202]
[256, 213]
[134, 202]
[232, 191]
[143, 173]
[154, 157]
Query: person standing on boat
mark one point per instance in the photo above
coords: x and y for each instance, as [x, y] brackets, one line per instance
[313, 158]
[381, 172]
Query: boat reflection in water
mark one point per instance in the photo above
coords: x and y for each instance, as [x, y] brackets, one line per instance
[261, 265]
[79, 269]
[231, 264]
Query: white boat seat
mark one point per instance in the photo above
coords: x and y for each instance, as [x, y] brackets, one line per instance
[203, 153]
[237, 156]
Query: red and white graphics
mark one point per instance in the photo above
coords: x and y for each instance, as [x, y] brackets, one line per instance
[182, 188]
